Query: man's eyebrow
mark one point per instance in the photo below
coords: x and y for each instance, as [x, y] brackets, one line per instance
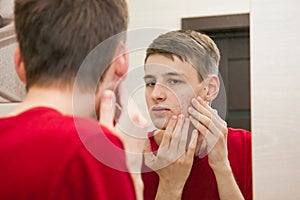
[166, 74]
[173, 74]
[148, 76]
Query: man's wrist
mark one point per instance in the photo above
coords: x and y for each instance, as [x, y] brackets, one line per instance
[222, 169]
[173, 191]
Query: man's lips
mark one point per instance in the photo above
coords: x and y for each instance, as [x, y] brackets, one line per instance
[158, 109]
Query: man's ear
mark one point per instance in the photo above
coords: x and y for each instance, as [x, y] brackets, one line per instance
[121, 61]
[19, 65]
[212, 86]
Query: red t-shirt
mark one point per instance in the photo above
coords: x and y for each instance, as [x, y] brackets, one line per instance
[201, 183]
[46, 155]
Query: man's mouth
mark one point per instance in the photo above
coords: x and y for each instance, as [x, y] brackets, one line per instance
[159, 108]
[160, 111]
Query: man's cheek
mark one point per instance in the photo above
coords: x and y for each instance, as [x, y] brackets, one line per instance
[184, 108]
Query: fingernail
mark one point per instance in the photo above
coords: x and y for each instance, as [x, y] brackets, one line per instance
[194, 100]
[194, 135]
[199, 98]
[174, 117]
[107, 95]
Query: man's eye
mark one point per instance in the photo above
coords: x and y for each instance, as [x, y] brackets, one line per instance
[150, 84]
[174, 81]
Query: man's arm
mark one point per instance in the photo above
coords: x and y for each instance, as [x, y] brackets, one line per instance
[227, 186]
[132, 133]
[215, 132]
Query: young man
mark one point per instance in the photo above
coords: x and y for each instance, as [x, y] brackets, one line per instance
[47, 150]
[181, 77]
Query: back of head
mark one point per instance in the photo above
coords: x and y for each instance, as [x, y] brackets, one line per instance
[190, 46]
[55, 36]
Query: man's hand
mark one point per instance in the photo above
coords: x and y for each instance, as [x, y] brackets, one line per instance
[172, 162]
[213, 129]
[131, 128]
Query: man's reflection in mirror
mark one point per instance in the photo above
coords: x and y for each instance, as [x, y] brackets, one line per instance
[191, 154]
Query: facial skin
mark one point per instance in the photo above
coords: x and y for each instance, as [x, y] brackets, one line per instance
[170, 86]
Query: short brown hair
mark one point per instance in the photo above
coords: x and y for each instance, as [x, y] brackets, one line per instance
[191, 46]
[55, 36]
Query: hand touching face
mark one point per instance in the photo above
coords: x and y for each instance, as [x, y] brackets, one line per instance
[170, 84]
[214, 130]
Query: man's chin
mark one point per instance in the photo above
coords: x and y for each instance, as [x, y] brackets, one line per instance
[161, 126]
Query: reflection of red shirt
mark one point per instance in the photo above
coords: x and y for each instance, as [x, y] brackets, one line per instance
[42, 156]
[201, 183]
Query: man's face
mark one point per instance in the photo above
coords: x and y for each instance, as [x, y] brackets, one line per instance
[170, 86]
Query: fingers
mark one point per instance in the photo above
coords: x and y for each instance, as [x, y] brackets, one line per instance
[131, 122]
[173, 145]
[204, 104]
[203, 119]
[176, 136]
[193, 143]
[107, 109]
[203, 129]
[147, 147]
[148, 155]
[168, 132]
[201, 106]
[184, 136]
[205, 114]
[199, 126]
[135, 115]
[220, 123]
[214, 129]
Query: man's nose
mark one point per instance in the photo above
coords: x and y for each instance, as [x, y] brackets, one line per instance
[159, 92]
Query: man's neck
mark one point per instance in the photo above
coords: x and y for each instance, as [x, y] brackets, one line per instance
[62, 100]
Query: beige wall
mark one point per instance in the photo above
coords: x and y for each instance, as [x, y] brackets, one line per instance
[167, 15]
[275, 72]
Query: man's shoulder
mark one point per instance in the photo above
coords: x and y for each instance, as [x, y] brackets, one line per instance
[50, 127]
[64, 152]
[49, 134]
[239, 133]
[239, 139]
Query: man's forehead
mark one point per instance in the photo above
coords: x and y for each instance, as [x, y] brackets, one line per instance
[163, 69]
